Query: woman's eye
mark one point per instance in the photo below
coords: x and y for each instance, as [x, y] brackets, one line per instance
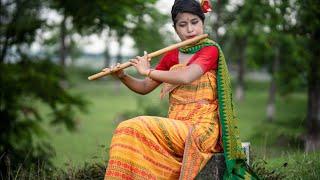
[194, 22]
[182, 25]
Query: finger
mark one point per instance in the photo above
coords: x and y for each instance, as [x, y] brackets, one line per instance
[147, 55]
[142, 58]
[135, 61]
[106, 69]
[138, 60]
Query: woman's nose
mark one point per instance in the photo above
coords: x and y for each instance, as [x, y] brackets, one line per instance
[190, 28]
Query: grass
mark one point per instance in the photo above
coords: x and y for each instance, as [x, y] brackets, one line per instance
[274, 143]
[298, 165]
[89, 143]
[271, 139]
[94, 129]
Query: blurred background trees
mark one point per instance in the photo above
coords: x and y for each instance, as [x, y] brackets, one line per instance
[277, 38]
[29, 80]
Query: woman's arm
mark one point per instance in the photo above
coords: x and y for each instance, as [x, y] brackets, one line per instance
[140, 86]
[207, 59]
[182, 76]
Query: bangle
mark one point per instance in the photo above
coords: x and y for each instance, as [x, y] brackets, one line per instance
[149, 72]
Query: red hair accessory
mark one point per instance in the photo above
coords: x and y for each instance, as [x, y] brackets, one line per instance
[206, 6]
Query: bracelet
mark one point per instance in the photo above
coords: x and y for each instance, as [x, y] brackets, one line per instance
[149, 72]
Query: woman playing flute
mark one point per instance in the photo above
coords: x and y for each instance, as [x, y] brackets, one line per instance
[200, 120]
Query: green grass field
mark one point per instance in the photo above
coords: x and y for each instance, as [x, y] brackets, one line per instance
[89, 142]
[272, 142]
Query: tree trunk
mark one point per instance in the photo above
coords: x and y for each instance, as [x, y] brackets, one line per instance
[313, 117]
[215, 26]
[271, 110]
[4, 48]
[63, 51]
[118, 60]
[119, 55]
[63, 48]
[241, 70]
[107, 52]
[5, 43]
[107, 57]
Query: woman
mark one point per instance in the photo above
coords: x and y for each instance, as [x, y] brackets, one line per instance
[178, 147]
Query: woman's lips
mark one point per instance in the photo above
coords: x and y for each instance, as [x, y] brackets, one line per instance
[189, 37]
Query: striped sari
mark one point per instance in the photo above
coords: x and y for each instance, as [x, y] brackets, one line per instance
[176, 147]
[201, 120]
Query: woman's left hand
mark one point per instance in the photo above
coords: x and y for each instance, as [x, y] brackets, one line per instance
[142, 64]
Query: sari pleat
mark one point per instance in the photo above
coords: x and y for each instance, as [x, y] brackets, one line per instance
[176, 147]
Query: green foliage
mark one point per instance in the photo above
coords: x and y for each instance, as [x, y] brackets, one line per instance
[260, 168]
[146, 32]
[18, 25]
[19, 19]
[25, 85]
[268, 28]
[51, 44]
[93, 171]
[94, 16]
[298, 165]
[292, 68]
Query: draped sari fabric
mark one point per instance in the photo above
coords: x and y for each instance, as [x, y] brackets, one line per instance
[200, 122]
[174, 147]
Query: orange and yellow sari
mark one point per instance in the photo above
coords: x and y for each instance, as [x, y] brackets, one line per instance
[200, 122]
[176, 147]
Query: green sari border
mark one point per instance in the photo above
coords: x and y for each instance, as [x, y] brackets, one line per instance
[234, 155]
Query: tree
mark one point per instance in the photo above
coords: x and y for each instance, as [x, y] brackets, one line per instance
[278, 38]
[309, 11]
[26, 82]
[147, 30]
[219, 18]
[19, 20]
[294, 29]
[241, 29]
[101, 14]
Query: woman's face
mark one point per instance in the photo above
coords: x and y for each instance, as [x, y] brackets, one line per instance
[188, 26]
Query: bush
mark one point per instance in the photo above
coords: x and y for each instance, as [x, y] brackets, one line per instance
[24, 86]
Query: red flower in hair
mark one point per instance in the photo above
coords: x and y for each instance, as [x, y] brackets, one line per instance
[206, 6]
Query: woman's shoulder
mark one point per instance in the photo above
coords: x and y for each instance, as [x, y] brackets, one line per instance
[207, 57]
[212, 48]
[208, 51]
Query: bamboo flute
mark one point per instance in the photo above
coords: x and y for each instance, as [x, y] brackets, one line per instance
[151, 55]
